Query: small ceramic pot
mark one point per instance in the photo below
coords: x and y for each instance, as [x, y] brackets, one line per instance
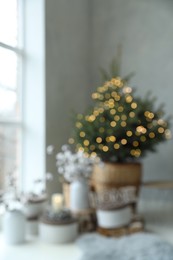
[14, 227]
[62, 233]
[114, 218]
[32, 226]
[34, 209]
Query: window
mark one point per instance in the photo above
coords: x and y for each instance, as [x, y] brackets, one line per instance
[22, 90]
[11, 59]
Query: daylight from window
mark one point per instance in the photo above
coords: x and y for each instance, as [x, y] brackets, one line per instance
[9, 88]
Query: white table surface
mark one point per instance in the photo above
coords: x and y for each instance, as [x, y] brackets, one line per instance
[159, 219]
[33, 249]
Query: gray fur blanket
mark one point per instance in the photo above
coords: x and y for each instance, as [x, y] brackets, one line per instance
[139, 246]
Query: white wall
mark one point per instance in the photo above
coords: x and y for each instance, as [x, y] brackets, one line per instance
[145, 29]
[67, 69]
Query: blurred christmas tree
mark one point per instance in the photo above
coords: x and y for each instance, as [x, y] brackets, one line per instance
[120, 126]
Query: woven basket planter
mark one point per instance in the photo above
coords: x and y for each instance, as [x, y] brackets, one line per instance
[116, 175]
[115, 192]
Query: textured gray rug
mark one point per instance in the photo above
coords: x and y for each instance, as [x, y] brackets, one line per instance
[140, 246]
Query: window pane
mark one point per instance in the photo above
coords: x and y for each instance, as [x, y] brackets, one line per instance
[9, 152]
[8, 22]
[8, 68]
[8, 104]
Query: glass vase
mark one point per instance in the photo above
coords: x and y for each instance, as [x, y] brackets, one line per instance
[79, 195]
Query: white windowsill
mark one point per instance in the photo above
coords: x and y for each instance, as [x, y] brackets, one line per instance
[158, 219]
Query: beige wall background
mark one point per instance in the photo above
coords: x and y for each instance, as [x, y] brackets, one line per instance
[81, 36]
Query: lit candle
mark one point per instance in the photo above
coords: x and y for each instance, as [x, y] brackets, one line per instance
[57, 201]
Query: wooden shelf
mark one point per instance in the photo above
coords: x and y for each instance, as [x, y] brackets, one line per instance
[158, 184]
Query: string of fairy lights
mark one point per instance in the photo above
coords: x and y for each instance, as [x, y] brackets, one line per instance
[119, 125]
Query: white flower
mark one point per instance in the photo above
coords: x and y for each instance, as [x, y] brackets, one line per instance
[65, 147]
[73, 165]
[49, 176]
[50, 149]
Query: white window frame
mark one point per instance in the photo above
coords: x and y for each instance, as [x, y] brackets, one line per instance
[32, 88]
[16, 123]
[33, 118]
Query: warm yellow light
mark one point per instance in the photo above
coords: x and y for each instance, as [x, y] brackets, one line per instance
[114, 94]
[127, 90]
[113, 123]
[123, 117]
[93, 154]
[107, 139]
[151, 115]
[101, 110]
[133, 105]
[112, 111]
[116, 118]
[112, 138]
[81, 149]
[98, 140]
[161, 130]
[78, 124]
[86, 142]
[144, 130]
[117, 98]
[105, 148]
[148, 114]
[132, 152]
[100, 89]
[129, 99]
[124, 141]
[95, 95]
[82, 134]
[135, 152]
[161, 122]
[71, 141]
[141, 129]
[129, 133]
[116, 146]
[143, 138]
[120, 109]
[111, 103]
[91, 118]
[96, 112]
[123, 123]
[107, 84]
[168, 134]
[117, 82]
[131, 114]
[135, 143]
[151, 135]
